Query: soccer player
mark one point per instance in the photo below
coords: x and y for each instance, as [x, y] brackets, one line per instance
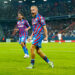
[39, 27]
[23, 27]
[59, 37]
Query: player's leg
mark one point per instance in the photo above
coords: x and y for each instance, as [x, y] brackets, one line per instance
[22, 42]
[24, 48]
[32, 57]
[59, 40]
[38, 46]
[27, 54]
[41, 54]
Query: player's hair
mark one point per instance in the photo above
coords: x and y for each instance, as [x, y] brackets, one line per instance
[21, 14]
[35, 7]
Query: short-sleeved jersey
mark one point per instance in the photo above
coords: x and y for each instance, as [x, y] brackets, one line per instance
[38, 22]
[22, 25]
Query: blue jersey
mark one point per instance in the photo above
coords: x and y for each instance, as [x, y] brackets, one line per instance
[38, 22]
[22, 25]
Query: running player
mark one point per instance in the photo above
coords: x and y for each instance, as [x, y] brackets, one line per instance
[23, 27]
[39, 27]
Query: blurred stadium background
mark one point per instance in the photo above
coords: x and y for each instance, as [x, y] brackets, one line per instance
[59, 14]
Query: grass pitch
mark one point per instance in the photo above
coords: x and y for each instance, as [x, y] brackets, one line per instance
[12, 61]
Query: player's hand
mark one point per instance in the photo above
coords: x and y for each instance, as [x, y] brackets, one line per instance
[16, 29]
[13, 34]
[26, 29]
[29, 39]
[45, 38]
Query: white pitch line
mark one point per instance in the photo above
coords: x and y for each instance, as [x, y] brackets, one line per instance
[60, 51]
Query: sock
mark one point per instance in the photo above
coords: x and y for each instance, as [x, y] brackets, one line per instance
[46, 59]
[24, 48]
[32, 61]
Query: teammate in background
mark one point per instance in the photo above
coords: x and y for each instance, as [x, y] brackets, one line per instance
[39, 27]
[23, 27]
[59, 37]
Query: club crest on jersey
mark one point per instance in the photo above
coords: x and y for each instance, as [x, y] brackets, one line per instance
[35, 21]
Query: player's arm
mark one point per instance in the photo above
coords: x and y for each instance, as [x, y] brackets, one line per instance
[28, 25]
[27, 28]
[15, 30]
[45, 31]
[30, 38]
[43, 23]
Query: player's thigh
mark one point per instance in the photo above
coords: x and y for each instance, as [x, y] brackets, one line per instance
[21, 40]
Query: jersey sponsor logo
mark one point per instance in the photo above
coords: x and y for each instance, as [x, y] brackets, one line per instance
[20, 25]
[23, 22]
[18, 22]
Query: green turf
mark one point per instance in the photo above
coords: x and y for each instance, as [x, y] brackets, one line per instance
[13, 63]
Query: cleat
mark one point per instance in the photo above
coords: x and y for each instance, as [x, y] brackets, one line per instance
[51, 64]
[26, 56]
[30, 67]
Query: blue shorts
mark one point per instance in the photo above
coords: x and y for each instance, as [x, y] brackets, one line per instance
[22, 39]
[37, 41]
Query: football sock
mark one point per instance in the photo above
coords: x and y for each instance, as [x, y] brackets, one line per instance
[32, 61]
[24, 48]
[46, 59]
[27, 51]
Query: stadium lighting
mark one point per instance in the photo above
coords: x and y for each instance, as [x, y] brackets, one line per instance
[10, 0]
[5, 2]
[45, 0]
[69, 1]
[20, 1]
[33, 1]
[24, 0]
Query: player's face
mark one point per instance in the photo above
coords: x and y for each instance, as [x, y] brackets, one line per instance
[34, 11]
[20, 16]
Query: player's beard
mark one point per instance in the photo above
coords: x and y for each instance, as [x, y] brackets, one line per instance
[19, 18]
[33, 14]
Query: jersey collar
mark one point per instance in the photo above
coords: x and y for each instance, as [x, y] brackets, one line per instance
[37, 15]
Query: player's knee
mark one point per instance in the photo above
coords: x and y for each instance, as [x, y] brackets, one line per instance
[32, 53]
[22, 44]
[38, 51]
[32, 49]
